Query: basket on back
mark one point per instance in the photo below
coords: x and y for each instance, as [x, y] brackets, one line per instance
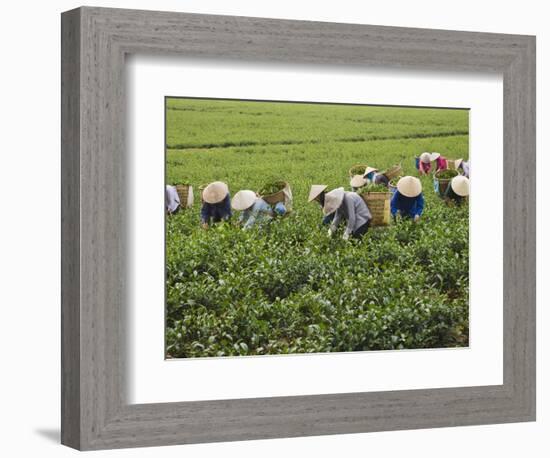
[442, 178]
[379, 206]
[185, 193]
[451, 164]
[393, 171]
[273, 198]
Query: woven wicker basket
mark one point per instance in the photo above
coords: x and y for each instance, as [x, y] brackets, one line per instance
[183, 191]
[392, 188]
[379, 206]
[394, 171]
[441, 184]
[357, 166]
[276, 197]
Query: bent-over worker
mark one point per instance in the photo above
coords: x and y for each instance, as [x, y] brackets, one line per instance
[458, 190]
[254, 209]
[408, 200]
[348, 206]
[216, 204]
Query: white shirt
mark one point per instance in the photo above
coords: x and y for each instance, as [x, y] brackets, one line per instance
[466, 168]
[171, 199]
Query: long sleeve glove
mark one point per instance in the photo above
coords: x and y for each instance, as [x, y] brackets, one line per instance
[345, 236]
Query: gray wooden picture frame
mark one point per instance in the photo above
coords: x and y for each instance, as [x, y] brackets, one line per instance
[95, 412]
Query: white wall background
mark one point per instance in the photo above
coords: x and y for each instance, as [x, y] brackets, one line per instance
[30, 228]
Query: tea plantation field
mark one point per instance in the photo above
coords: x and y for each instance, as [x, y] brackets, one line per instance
[288, 288]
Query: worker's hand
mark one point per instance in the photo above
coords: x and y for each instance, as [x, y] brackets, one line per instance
[416, 218]
[345, 236]
[330, 232]
[204, 225]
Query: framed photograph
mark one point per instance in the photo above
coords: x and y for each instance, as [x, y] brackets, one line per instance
[273, 228]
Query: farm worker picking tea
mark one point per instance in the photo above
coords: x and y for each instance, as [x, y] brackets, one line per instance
[369, 175]
[216, 204]
[440, 161]
[460, 164]
[378, 178]
[317, 193]
[171, 200]
[351, 207]
[424, 163]
[458, 190]
[254, 209]
[408, 200]
[372, 176]
[357, 181]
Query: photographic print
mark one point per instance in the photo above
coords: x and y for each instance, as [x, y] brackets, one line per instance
[302, 227]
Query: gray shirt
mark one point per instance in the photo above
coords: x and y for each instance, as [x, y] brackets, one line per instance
[354, 210]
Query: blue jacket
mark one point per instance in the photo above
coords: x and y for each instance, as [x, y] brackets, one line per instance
[216, 212]
[258, 213]
[280, 209]
[407, 206]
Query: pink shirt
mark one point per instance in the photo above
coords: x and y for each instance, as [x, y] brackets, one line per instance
[440, 163]
[424, 167]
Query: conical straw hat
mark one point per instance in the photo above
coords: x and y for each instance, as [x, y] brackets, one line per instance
[461, 186]
[409, 186]
[458, 163]
[369, 170]
[426, 158]
[315, 191]
[435, 156]
[333, 200]
[357, 181]
[215, 192]
[243, 199]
